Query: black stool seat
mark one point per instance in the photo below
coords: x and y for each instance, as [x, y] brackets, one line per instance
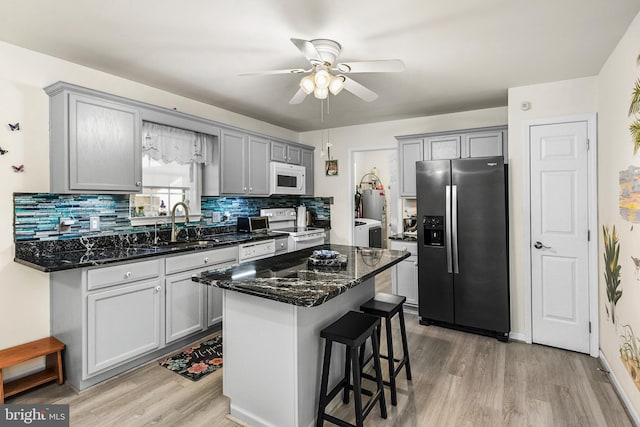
[352, 330]
[383, 305]
[386, 306]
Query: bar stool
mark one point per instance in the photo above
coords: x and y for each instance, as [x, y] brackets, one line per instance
[386, 306]
[352, 330]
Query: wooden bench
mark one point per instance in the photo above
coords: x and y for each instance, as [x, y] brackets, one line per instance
[50, 347]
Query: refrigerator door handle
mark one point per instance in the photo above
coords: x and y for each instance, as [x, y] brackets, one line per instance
[454, 227]
[447, 227]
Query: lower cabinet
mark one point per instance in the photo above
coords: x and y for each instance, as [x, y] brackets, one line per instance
[404, 279]
[116, 317]
[122, 323]
[185, 306]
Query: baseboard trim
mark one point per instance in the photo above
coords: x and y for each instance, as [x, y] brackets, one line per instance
[517, 336]
[621, 394]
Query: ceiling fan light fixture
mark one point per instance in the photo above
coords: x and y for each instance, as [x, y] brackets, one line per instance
[337, 84]
[321, 93]
[322, 79]
[307, 84]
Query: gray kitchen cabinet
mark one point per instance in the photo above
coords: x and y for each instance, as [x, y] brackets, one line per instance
[191, 306]
[404, 276]
[244, 164]
[442, 147]
[95, 142]
[483, 144]
[410, 153]
[308, 163]
[286, 153]
[123, 323]
[185, 305]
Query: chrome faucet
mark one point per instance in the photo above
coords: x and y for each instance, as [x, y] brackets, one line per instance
[174, 230]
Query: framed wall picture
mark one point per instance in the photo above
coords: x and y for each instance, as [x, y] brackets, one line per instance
[331, 167]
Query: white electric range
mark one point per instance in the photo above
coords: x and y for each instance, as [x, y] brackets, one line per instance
[283, 220]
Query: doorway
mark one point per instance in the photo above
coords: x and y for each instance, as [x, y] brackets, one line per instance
[373, 172]
[562, 247]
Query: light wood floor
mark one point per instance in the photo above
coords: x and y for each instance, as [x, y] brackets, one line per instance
[459, 379]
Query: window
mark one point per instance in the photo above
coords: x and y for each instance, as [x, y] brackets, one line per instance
[172, 162]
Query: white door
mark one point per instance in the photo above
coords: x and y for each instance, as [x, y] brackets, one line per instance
[559, 235]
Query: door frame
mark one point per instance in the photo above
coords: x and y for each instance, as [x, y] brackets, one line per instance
[592, 203]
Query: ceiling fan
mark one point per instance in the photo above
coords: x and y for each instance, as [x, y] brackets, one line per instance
[327, 75]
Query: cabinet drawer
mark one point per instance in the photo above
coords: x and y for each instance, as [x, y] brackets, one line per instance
[403, 245]
[200, 259]
[109, 276]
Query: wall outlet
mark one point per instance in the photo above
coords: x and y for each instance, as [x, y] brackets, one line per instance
[216, 216]
[94, 223]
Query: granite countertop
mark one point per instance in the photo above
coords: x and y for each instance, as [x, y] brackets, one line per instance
[69, 254]
[287, 278]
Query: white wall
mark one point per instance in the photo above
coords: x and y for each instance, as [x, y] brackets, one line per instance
[547, 100]
[24, 292]
[615, 153]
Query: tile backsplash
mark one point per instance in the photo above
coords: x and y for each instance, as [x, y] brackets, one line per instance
[37, 215]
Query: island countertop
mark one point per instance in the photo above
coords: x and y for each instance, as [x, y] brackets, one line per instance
[287, 278]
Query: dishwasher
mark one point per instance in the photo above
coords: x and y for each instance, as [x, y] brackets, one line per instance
[256, 250]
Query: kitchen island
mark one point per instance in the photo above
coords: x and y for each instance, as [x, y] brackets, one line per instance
[273, 311]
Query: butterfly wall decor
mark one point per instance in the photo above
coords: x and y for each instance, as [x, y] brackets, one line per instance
[14, 127]
[3, 152]
[18, 168]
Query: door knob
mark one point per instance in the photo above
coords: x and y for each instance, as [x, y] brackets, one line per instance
[539, 245]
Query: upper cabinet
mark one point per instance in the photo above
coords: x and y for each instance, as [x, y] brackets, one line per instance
[95, 143]
[307, 162]
[410, 153]
[244, 164]
[286, 153]
[484, 142]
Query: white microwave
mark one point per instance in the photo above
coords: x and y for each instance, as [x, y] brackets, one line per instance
[287, 179]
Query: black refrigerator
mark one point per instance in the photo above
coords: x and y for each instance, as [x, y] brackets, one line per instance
[463, 265]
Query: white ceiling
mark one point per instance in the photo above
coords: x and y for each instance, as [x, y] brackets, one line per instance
[460, 55]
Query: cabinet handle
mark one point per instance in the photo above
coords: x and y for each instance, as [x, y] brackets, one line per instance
[250, 189]
[158, 289]
[127, 274]
[138, 183]
[245, 189]
[206, 260]
[415, 263]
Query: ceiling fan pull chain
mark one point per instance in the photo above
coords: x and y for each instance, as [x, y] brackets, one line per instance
[322, 110]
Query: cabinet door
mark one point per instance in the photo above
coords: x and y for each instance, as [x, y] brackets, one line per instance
[307, 162]
[104, 145]
[278, 152]
[258, 167]
[405, 280]
[122, 323]
[482, 144]
[233, 149]
[294, 155]
[410, 153]
[214, 305]
[442, 147]
[184, 307]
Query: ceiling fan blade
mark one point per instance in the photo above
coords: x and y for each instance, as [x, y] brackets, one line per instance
[298, 97]
[271, 72]
[358, 90]
[308, 50]
[381, 66]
